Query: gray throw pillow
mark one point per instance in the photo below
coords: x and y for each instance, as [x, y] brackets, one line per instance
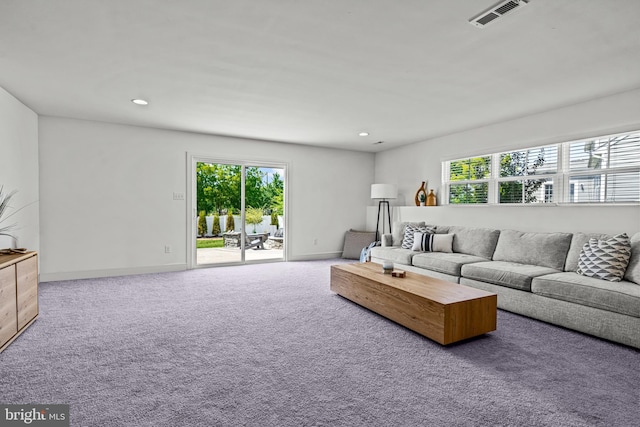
[605, 259]
[355, 241]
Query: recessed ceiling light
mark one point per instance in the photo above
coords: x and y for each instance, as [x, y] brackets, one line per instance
[363, 134]
[138, 101]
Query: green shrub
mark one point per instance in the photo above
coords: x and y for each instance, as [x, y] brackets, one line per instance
[274, 219]
[215, 227]
[231, 224]
[202, 224]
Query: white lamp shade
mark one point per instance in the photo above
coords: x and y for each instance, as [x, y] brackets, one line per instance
[384, 191]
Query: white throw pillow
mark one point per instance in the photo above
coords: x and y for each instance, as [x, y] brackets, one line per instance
[409, 230]
[428, 242]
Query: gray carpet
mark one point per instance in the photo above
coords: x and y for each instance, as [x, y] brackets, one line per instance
[270, 345]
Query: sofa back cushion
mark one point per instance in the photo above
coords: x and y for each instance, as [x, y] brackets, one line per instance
[577, 242]
[633, 269]
[474, 241]
[543, 249]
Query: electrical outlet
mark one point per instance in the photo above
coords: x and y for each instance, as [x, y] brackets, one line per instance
[167, 249]
[178, 196]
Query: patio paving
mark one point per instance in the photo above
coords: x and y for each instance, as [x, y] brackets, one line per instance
[229, 255]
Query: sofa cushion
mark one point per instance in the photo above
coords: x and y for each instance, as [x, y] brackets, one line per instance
[504, 273]
[442, 262]
[395, 254]
[620, 297]
[542, 249]
[410, 231]
[474, 241]
[397, 231]
[577, 242]
[633, 269]
[430, 242]
[605, 259]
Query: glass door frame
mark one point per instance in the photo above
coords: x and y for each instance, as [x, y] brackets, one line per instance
[192, 209]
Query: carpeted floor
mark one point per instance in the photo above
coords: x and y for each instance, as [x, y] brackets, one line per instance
[271, 345]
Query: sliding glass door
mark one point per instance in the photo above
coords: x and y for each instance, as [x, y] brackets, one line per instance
[264, 213]
[238, 212]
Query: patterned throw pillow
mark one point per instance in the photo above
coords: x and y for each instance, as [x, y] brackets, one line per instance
[429, 242]
[605, 259]
[410, 230]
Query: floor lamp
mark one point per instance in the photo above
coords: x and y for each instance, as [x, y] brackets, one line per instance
[383, 192]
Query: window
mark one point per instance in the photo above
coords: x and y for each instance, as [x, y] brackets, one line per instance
[605, 169]
[469, 180]
[599, 170]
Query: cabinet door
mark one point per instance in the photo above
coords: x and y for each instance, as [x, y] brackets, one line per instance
[8, 310]
[27, 278]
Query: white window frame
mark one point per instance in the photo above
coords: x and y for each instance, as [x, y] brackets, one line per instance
[561, 179]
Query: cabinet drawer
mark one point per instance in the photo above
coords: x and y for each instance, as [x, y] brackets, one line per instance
[8, 319]
[27, 290]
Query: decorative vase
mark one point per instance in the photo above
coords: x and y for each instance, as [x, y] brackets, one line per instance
[431, 198]
[421, 190]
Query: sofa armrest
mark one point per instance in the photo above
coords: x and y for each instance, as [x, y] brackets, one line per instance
[387, 240]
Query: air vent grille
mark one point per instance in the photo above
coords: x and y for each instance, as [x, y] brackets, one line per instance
[496, 11]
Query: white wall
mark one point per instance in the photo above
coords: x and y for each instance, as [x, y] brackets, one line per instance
[409, 165]
[107, 195]
[19, 170]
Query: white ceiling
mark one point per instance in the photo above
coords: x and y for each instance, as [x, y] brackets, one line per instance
[314, 71]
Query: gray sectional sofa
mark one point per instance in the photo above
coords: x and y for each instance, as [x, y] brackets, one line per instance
[533, 274]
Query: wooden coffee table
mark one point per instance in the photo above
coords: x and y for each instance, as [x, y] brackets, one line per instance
[442, 311]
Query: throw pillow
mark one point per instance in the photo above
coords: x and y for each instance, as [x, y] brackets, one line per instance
[605, 259]
[355, 241]
[428, 242]
[397, 231]
[410, 230]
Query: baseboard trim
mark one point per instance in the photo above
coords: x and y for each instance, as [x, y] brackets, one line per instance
[314, 256]
[93, 274]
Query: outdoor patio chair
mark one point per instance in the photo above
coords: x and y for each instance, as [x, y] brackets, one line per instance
[253, 243]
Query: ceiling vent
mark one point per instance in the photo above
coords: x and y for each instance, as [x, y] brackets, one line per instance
[497, 11]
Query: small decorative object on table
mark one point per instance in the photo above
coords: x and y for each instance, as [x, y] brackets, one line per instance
[431, 198]
[422, 199]
[399, 273]
[387, 267]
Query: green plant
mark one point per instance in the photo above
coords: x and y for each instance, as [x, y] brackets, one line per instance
[215, 228]
[202, 224]
[253, 216]
[422, 197]
[5, 198]
[274, 219]
[231, 224]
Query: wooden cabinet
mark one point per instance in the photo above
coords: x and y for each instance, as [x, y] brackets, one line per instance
[18, 295]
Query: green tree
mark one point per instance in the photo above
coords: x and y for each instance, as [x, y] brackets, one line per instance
[202, 224]
[215, 227]
[253, 216]
[218, 187]
[467, 170]
[231, 224]
[517, 163]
